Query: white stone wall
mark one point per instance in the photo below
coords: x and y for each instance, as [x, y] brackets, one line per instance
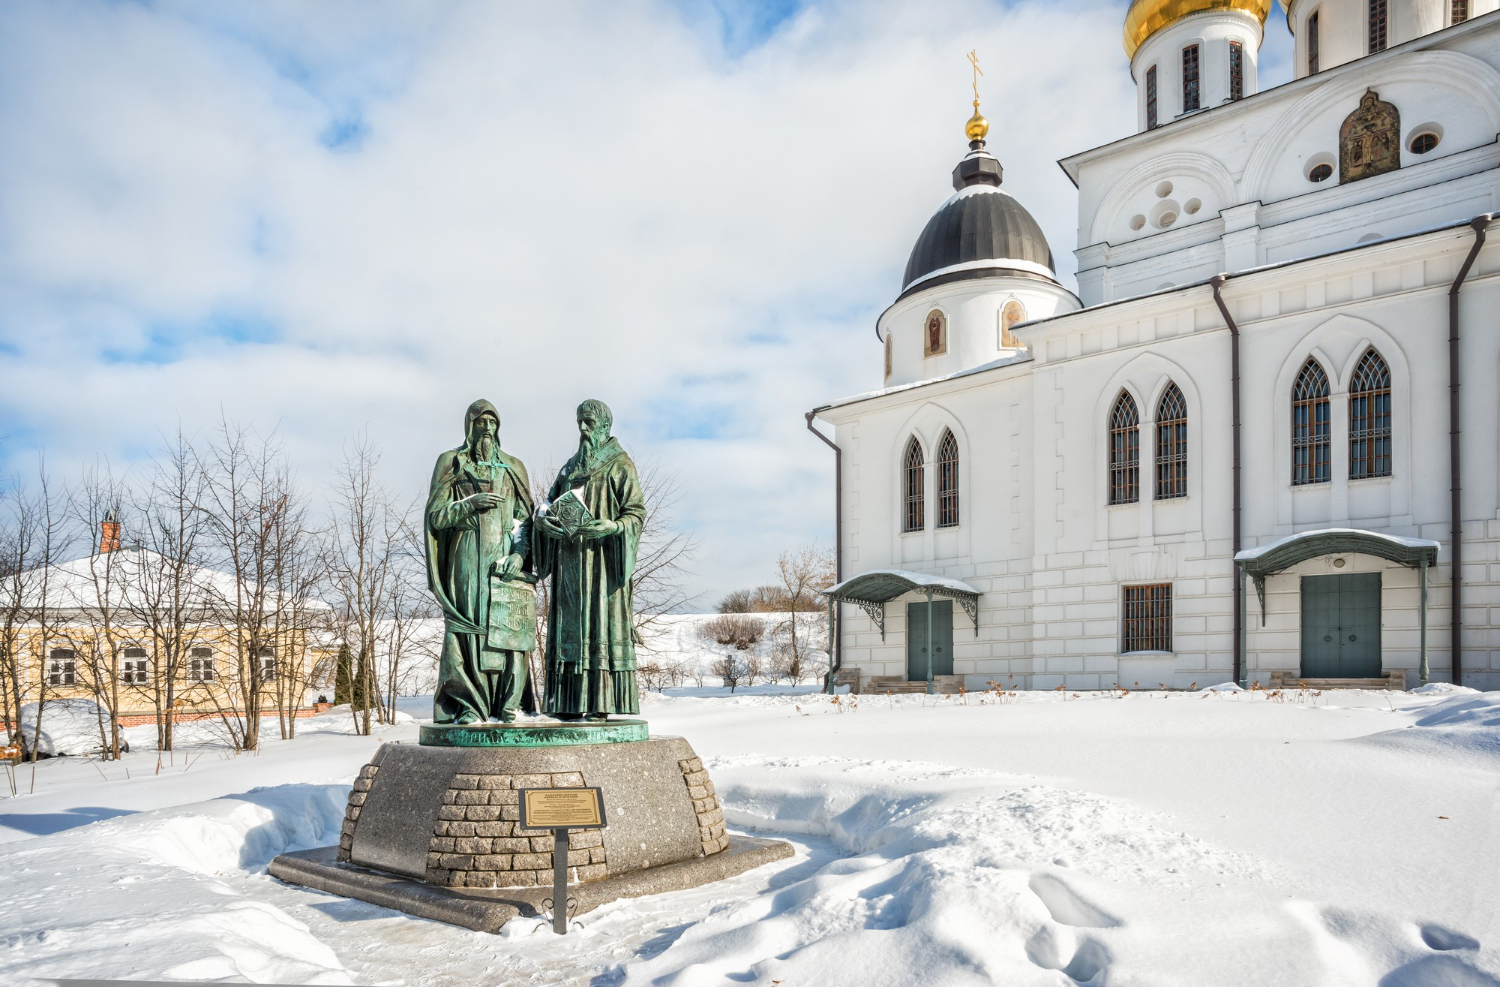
[1211, 31]
[1050, 557]
[1343, 34]
[1234, 180]
[973, 310]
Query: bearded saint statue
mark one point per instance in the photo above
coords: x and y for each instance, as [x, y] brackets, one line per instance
[590, 619]
[478, 526]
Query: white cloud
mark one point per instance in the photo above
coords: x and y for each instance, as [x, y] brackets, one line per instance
[535, 203]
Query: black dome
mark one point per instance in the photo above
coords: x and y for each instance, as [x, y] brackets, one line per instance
[978, 224]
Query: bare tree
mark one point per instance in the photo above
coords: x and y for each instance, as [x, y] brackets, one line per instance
[742, 633]
[297, 570]
[364, 541]
[731, 670]
[411, 610]
[97, 506]
[761, 599]
[661, 560]
[164, 595]
[36, 540]
[27, 540]
[804, 573]
[248, 488]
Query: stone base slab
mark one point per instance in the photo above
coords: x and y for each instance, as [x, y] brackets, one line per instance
[450, 816]
[487, 911]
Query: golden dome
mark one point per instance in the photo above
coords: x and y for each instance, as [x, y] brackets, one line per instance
[1146, 17]
[978, 126]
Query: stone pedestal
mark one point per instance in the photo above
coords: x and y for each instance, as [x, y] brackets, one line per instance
[432, 824]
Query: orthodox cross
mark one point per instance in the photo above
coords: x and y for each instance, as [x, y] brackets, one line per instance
[974, 61]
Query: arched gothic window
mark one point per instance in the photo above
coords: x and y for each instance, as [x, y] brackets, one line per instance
[1171, 445]
[1370, 418]
[1124, 452]
[912, 467]
[947, 481]
[1310, 426]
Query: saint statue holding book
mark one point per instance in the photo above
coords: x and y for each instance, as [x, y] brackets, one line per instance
[586, 539]
[478, 526]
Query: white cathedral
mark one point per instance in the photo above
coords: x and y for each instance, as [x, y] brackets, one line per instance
[1261, 442]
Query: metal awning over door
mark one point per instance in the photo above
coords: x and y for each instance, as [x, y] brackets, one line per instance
[1280, 555]
[871, 591]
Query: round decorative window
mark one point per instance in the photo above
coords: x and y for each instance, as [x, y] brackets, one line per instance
[1423, 142]
[1320, 173]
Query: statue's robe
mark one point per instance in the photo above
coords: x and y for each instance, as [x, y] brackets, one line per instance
[591, 610]
[464, 546]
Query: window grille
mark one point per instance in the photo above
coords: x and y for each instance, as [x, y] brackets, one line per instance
[1124, 452]
[62, 667]
[1171, 445]
[947, 481]
[267, 658]
[1148, 618]
[1310, 426]
[1377, 19]
[201, 665]
[1370, 418]
[1236, 70]
[133, 670]
[915, 506]
[1312, 44]
[1460, 11]
[1151, 98]
[1189, 78]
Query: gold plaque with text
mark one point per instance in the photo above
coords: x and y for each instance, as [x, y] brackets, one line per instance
[557, 808]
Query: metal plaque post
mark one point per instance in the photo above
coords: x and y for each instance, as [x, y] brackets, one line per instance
[560, 880]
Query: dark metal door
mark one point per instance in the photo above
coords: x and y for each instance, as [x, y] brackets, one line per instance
[1341, 626]
[916, 639]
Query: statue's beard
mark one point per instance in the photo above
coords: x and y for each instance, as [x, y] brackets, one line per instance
[591, 442]
[484, 448]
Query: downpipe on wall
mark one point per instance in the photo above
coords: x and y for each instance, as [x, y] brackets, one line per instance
[1241, 672]
[1481, 225]
[835, 614]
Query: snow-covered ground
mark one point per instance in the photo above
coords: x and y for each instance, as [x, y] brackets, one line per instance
[1217, 838]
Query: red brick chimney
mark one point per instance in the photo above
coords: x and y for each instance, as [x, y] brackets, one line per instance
[109, 534]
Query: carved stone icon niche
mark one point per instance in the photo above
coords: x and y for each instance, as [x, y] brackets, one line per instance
[1370, 139]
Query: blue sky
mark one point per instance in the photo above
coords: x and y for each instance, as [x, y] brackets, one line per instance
[332, 217]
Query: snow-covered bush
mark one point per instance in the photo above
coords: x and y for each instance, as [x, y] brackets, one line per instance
[69, 726]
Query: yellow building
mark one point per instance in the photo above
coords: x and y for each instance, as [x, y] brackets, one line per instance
[144, 637]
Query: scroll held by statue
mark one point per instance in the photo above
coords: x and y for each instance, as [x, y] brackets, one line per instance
[512, 623]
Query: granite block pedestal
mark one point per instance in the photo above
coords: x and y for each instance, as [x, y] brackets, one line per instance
[434, 829]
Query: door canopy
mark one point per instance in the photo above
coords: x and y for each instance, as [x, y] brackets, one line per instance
[1277, 556]
[870, 591]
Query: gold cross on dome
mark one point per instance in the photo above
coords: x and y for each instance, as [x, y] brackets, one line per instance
[974, 61]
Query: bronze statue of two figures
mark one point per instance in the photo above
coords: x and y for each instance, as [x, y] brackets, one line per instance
[488, 546]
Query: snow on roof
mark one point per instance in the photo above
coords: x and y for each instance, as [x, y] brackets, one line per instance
[124, 577]
[1020, 356]
[896, 577]
[1402, 541]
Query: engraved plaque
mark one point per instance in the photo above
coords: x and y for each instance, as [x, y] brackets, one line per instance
[555, 808]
